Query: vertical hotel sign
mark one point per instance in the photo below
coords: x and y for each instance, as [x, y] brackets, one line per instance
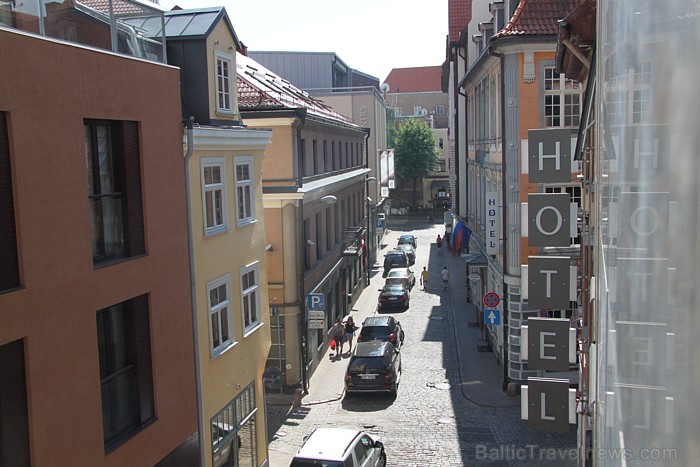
[492, 237]
[545, 401]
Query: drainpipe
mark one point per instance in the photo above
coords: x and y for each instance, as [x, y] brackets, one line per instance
[455, 81]
[369, 236]
[466, 155]
[193, 291]
[304, 331]
[504, 220]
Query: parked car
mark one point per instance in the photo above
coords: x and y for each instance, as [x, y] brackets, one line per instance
[394, 295]
[381, 328]
[401, 276]
[410, 252]
[373, 367]
[410, 239]
[340, 447]
[395, 259]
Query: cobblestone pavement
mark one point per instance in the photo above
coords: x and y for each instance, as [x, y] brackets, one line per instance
[449, 410]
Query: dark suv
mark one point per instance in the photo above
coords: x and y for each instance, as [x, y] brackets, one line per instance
[381, 328]
[374, 367]
[395, 259]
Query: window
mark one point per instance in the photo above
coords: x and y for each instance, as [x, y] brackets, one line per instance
[234, 428]
[314, 156]
[9, 266]
[220, 311]
[14, 422]
[214, 194]
[326, 167]
[329, 240]
[245, 194]
[333, 166]
[417, 110]
[439, 109]
[224, 84]
[114, 189]
[250, 296]
[562, 100]
[319, 249]
[398, 112]
[126, 379]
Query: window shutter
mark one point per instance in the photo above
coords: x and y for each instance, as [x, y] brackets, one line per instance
[144, 367]
[14, 418]
[132, 187]
[9, 263]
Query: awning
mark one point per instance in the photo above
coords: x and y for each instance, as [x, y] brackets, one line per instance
[476, 260]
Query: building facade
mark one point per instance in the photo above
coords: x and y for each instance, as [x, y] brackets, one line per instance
[96, 340]
[223, 164]
[314, 192]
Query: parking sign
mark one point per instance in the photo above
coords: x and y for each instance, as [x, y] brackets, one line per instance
[315, 302]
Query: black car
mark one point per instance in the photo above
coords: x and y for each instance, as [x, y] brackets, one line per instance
[410, 239]
[374, 367]
[381, 328]
[394, 295]
[395, 259]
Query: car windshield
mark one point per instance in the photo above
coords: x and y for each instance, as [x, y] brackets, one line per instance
[393, 288]
[314, 463]
[374, 333]
[363, 364]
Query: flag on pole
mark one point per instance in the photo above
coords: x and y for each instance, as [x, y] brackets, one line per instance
[460, 238]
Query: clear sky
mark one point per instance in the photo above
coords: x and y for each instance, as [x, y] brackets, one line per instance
[372, 36]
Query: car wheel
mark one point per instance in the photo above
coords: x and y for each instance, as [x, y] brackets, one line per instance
[408, 303]
[382, 460]
[401, 336]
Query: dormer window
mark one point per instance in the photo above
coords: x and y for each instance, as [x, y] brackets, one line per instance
[224, 82]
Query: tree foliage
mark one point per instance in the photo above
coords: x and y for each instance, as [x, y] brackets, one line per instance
[415, 152]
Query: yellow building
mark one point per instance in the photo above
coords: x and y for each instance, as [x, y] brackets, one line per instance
[223, 163]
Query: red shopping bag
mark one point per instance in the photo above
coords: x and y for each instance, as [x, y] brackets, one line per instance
[332, 346]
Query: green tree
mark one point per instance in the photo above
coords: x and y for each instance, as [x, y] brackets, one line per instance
[415, 153]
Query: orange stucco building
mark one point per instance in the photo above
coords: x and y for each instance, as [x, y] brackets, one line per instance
[96, 347]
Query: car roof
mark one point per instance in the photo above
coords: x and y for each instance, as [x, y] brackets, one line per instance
[327, 443]
[394, 286]
[395, 251]
[377, 321]
[404, 246]
[370, 349]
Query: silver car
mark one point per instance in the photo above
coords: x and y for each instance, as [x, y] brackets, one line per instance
[401, 276]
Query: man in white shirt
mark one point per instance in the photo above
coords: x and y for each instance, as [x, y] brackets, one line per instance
[445, 277]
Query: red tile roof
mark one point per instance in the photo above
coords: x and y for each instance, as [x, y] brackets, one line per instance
[420, 79]
[119, 6]
[537, 17]
[261, 89]
[459, 13]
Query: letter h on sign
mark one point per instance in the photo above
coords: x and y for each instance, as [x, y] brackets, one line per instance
[549, 156]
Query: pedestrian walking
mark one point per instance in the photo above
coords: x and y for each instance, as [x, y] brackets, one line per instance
[424, 278]
[448, 239]
[445, 277]
[350, 329]
[438, 242]
[337, 334]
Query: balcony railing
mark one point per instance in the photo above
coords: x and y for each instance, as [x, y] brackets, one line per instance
[122, 26]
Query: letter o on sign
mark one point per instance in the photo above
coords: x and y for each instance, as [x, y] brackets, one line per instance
[538, 220]
[645, 220]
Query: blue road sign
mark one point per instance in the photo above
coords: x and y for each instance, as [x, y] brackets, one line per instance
[315, 302]
[492, 316]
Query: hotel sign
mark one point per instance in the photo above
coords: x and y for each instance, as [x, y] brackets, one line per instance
[492, 236]
[549, 215]
[549, 282]
[549, 156]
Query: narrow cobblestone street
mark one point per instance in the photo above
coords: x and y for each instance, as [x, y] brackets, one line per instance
[449, 409]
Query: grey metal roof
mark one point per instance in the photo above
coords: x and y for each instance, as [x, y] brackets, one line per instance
[186, 24]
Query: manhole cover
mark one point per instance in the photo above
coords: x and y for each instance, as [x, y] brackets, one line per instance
[442, 385]
[445, 420]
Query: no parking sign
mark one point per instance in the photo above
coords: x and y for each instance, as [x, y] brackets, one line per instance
[491, 300]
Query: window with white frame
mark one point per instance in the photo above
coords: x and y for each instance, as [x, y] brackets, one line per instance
[398, 111]
[250, 296]
[214, 194]
[220, 314]
[562, 100]
[224, 82]
[439, 109]
[628, 95]
[417, 109]
[245, 199]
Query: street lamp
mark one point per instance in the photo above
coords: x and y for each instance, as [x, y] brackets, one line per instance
[369, 225]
